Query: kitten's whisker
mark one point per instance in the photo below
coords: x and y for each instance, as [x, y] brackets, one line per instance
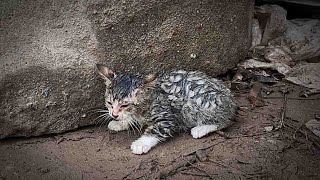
[98, 120]
[104, 111]
[102, 120]
[133, 123]
[99, 117]
[94, 111]
[105, 121]
[129, 132]
[133, 127]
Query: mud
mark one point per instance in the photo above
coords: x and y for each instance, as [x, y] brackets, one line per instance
[249, 153]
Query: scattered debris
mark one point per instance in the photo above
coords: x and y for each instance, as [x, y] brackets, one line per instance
[174, 167]
[252, 63]
[46, 92]
[274, 54]
[255, 95]
[268, 128]
[309, 92]
[266, 79]
[242, 161]
[305, 74]
[279, 45]
[193, 56]
[238, 76]
[201, 155]
[314, 126]
[50, 103]
[239, 85]
[298, 39]
[32, 105]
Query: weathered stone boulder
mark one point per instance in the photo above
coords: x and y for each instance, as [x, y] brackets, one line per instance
[140, 35]
[47, 79]
[48, 51]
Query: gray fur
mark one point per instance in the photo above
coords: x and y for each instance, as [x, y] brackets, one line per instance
[176, 101]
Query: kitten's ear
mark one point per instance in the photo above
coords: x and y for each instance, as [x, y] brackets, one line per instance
[105, 72]
[150, 79]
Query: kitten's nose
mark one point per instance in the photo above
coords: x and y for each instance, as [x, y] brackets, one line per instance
[114, 115]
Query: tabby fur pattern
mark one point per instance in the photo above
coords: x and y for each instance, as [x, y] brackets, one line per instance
[166, 104]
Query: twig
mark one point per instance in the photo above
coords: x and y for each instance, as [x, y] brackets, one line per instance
[291, 98]
[202, 170]
[195, 174]
[316, 144]
[223, 134]
[204, 148]
[295, 132]
[74, 139]
[248, 135]
[174, 168]
[134, 169]
[238, 171]
[284, 110]
[220, 164]
[283, 114]
[230, 168]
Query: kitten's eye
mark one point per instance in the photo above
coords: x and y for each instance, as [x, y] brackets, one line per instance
[125, 105]
[109, 102]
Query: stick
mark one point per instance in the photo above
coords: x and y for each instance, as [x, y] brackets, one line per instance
[172, 168]
[223, 134]
[316, 144]
[292, 98]
[195, 174]
[202, 170]
[284, 110]
[295, 132]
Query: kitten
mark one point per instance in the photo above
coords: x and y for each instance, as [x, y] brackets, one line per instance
[166, 104]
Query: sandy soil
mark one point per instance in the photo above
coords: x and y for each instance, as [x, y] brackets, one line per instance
[250, 153]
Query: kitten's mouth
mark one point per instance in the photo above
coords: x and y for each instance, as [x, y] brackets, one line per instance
[114, 117]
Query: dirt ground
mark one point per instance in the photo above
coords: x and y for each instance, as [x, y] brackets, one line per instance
[290, 152]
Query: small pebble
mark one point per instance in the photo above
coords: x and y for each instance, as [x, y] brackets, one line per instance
[193, 55]
[46, 91]
[201, 155]
[50, 103]
[268, 128]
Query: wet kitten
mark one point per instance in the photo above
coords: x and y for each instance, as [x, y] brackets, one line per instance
[166, 104]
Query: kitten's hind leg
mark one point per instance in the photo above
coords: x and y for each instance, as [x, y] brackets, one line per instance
[202, 130]
[162, 125]
[158, 132]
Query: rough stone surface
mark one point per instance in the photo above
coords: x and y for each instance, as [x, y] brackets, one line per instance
[47, 79]
[48, 50]
[142, 35]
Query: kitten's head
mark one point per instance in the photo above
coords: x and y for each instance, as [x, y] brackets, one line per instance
[124, 92]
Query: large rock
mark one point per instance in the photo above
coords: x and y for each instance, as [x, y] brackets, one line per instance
[140, 35]
[48, 50]
[47, 79]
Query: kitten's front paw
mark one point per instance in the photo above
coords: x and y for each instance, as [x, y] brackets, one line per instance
[144, 144]
[117, 126]
[200, 131]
